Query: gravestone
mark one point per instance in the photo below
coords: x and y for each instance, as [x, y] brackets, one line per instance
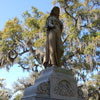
[54, 84]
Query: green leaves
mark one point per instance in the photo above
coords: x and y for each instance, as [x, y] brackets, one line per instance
[89, 49]
[80, 34]
[22, 39]
[40, 43]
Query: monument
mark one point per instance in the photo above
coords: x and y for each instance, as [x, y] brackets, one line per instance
[54, 45]
[54, 83]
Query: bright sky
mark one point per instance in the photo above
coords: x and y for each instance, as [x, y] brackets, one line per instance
[15, 8]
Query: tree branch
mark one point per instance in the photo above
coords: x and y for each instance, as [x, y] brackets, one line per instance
[23, 66]
[86, 26]
[10, 52]
[23, 52]
[65, 39]
[70, 14]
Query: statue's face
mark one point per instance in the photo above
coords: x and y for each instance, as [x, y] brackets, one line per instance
[55, 12]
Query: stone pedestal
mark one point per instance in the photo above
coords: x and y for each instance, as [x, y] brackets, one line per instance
[54, 84]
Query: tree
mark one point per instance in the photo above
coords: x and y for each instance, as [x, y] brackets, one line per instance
[18, 97]
[5, 93]
[23, 83]
[93, 86]
[81, 34]
[23, 42]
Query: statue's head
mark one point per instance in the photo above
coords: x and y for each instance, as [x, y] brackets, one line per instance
[55, 12]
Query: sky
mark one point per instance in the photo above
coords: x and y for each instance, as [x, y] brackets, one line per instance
[15, 8]
[12, 8]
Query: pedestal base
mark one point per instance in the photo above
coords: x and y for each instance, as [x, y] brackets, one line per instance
[54, 84]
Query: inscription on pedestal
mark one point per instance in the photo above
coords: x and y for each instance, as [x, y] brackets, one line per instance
[43, 88]
[63, 88]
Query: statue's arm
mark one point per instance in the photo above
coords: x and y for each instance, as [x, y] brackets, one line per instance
[50, 23]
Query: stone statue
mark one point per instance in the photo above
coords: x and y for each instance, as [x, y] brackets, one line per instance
[54, 45]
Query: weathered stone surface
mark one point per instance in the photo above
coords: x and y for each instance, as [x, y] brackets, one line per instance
[54, 84]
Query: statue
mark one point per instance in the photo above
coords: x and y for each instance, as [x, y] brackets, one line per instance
[54, 45]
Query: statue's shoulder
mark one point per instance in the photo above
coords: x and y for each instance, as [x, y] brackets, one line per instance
[51, 18]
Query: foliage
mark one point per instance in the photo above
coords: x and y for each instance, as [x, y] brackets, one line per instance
[81, 34]
[23, 42]
[5, 93]
[23, 83]
[93, 86]
[18, 97]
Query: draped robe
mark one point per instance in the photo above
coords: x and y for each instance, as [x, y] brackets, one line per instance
[54, 45]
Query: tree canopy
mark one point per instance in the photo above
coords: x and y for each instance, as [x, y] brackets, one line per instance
[23, 41]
